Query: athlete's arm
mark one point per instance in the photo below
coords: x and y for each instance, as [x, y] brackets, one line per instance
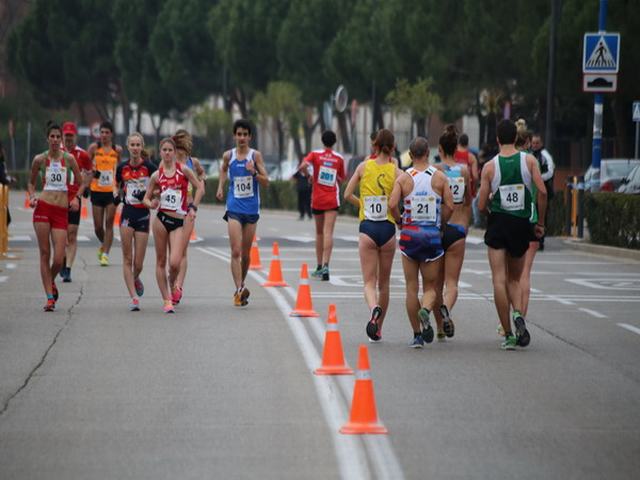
[349, 195]
[442, 187]
[31, 186]
[396, 195]
[474, 168]
[260, 172]
[467, 185]
[197, 184]
[153, 183]
[74, 204]
[536, 178]
[485, 186]
[223, 176]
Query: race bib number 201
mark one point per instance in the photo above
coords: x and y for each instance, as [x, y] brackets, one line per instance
[512, 197]
[327, 176]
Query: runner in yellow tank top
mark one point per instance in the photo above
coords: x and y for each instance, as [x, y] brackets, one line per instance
[377, 242]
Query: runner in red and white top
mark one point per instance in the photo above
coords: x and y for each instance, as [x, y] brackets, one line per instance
[463, 156]
[328, 172]
[75, 191]
[172, 180]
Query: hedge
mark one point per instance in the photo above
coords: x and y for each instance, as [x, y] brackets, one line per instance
[613, 219]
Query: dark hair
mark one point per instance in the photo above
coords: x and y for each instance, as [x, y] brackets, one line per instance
[107, 125]
[242, 123]
[418, 147]
[329, 138]
[449, 140]
[506, 132]
[385, 141]
[537, 134]
[51, 125]
[184, 141]
[373, 136]
[522, 137]
[463, 140]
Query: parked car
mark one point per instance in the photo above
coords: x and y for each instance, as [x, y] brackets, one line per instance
[631, 183]
[612, 171]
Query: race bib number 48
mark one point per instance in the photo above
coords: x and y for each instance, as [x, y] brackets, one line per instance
[512, 197]
[327, 176]
[423, 208]
[170, 199]
[243, 187]
[375, 208]
[134, 189]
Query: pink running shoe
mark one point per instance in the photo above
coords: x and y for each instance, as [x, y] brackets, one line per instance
[176, 295]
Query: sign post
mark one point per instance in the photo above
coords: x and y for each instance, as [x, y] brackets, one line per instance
[635, 115]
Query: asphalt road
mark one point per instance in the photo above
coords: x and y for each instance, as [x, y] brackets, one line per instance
[214, 391]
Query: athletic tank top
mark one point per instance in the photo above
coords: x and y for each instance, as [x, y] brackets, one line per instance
[173, 191]
[55, 173]
[106, 164]
[511, 186]
[189, 163]
[376, 185]
[456, 182]
[244, 190]
[462, 156]
[423, 205]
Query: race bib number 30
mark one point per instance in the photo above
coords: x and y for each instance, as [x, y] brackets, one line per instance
[327, 176]
[170, 199]
[457, 189]
[106, 178]
[423, 208]
[375, 208]
[243, 187]
[512, 197]
[56, 177]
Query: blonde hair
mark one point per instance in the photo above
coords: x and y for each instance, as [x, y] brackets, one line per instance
[523, 135]
[183, 141]
[135, 134]
[167, 140]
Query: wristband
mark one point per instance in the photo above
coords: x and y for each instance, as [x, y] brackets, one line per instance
[255, 174]
[538, 225]
[192, 207]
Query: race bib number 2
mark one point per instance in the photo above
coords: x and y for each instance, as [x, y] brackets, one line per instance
[243, 187]
[457, 189]
[512, 197]
[423, 208]
[375, 208]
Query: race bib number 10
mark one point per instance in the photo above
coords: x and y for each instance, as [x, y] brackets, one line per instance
[423, 208]
[243, 187]
[375, 208]
[512, 197]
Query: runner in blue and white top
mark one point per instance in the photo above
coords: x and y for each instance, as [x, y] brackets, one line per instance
[244, 167]
[428, 203]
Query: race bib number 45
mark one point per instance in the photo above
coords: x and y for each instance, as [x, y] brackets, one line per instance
[327, 176]
[512, 197]
[243, 187]
[423, 208]
[170, 199]
[375, 208]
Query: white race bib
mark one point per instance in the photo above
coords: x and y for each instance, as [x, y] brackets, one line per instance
[327, 176]
[171, 199]
[134, 187]
[457, 189]
[375, 207]
[243, 187]
[106, 178]
[423, 208]
[56, 177]
[512, 197]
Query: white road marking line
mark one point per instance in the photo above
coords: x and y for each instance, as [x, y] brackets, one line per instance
[561, 300]
[11, 266]
[607, 283]
[631, 328]
[19, 238]
[196, 240]
[348, 238]
[475, 240]
[351, 460]
[83, 238]
[593, 313]
[299, 239]
[535, 290]
[3, 278]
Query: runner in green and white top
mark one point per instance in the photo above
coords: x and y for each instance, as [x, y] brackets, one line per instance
[506, 192]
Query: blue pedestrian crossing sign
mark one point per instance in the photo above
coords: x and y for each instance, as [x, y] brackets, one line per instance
[635, 115]
[601, 53]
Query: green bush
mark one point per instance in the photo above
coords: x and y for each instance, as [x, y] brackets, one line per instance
[613, 219]
[556, 215]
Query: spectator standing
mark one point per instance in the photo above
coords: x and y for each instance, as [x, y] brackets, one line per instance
[547, 169]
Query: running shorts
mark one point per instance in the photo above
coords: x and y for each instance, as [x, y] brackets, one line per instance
[170, 223]
[421, 243]
[136, 218]
[243, 218]
[101, 199]
[508, 232]
[57, 217]
[452, 233]
[379, 232]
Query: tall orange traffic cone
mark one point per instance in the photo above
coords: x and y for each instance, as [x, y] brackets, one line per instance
[27, 202]
[275, 270]
[304, 305]
[193, 236]
[364, 416]
[116, 218]
[84, 212]
[332, 355]
[254, 256]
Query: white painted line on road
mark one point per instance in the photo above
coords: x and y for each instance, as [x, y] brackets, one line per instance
[11, 266]
[348, 238]
[535, 290]
[351, 460]
[83, 238]
[3, 278]
[561, 300]
[475, 240]
[631, 328]
[593, 313]
[19, 238]
[607, 283]
[294, 238]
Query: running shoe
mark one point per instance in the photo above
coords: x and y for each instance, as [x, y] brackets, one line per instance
[139, 286]
[372, 326]
[522, 334]
[244, 296]
[416, 342]
[509, 342]
[237, 299]
[325, 273]
[168, 307]
[447, 323]
[500, 330]
[134, 306]
[427, 329]
[317, 273]
[104, 260]
[376, 339]
[441, 336]
[176, 295]
[65, 274]
[54, 290]
[50, 306]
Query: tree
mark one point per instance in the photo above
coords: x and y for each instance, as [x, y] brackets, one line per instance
[214, 124]
[418, 99]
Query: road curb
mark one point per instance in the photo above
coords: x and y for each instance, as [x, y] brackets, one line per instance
[609, 251]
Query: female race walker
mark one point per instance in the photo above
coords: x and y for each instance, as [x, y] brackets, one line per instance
[184, 145]
[133, 177]
[428, 203]
[377, 242]
[455, 231]
[171, 179]
[50, 217]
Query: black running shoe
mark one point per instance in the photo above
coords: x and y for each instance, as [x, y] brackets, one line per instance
[427, 329]
[54, 290]
[522, 334]
[372, 326]
[447, 324]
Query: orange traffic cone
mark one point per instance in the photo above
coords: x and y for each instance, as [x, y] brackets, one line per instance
[364, 416]
[193, 236]
[84, 212]
[332, 355]
[116, 218]
[304, 306]
[27, 202]
[254, 256]
[275, 270]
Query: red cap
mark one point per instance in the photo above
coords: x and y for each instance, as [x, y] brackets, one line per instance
[69, 127]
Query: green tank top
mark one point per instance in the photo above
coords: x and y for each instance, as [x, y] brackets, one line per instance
[511, 186]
